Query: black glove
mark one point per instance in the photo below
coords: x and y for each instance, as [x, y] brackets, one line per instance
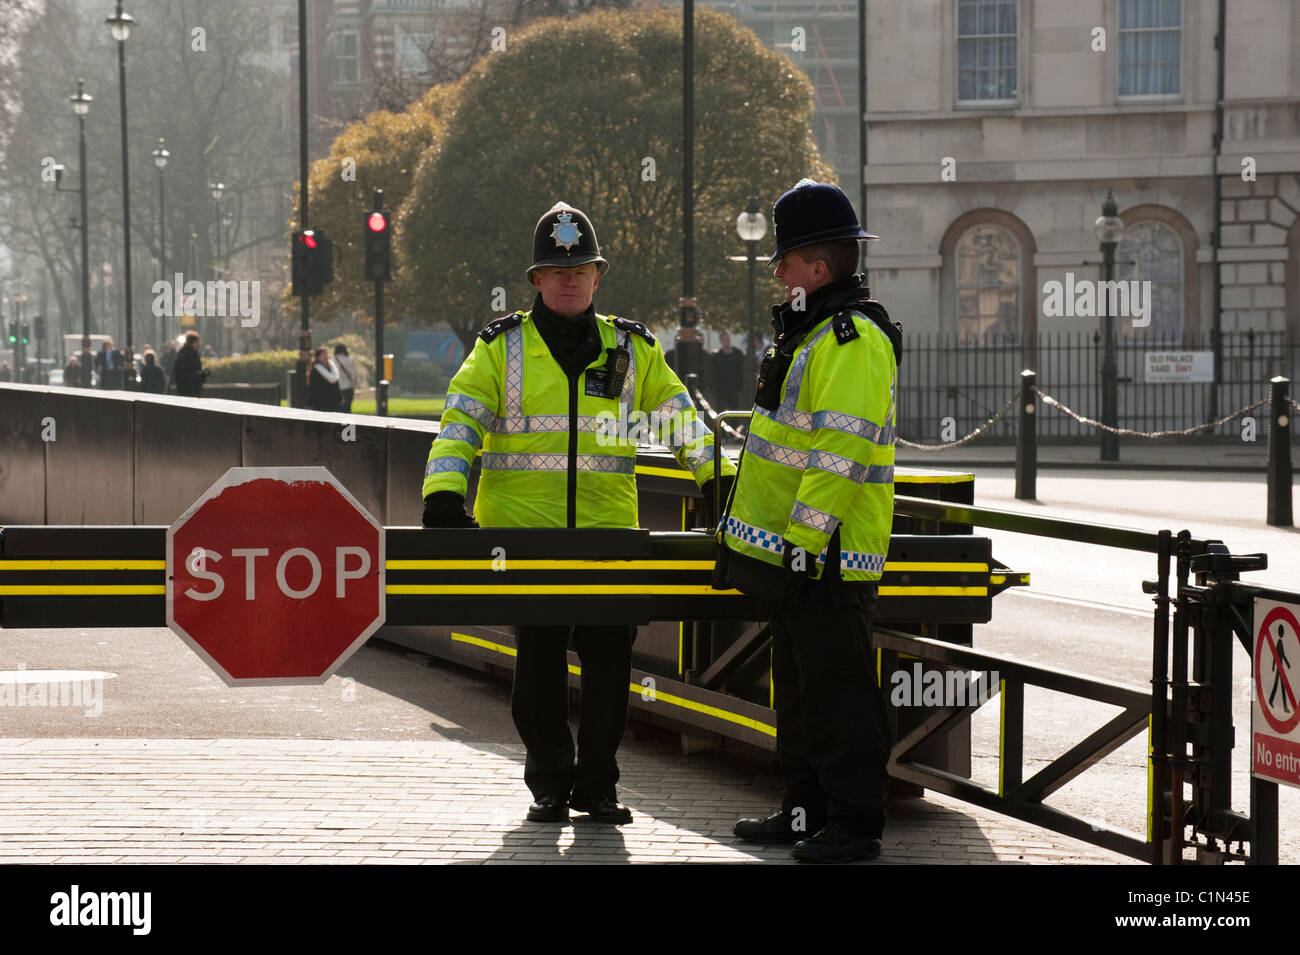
[711, 519]
[807, 561]
[446, 509]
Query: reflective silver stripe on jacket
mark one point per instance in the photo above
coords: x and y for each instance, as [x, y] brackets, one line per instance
[684, 435]
[853, 470]
[466, 405]
[812, 517]
[628, 396]
[699, 457]
[849, 424]
[441, 465]
[514, 421]
[776, 453]
[787, 414]
[602, 463]
[460, 432]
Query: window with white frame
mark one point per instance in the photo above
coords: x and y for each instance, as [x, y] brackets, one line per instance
[1150, 47]
[988, 285]
[986, 51]
[345, 62]
[1151, 251]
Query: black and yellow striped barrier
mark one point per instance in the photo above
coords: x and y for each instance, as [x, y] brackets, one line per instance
[97, 576]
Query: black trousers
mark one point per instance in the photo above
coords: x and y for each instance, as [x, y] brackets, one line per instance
[539, 703]
[832, 730]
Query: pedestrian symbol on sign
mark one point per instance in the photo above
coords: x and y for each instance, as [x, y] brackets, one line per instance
[1277, 705]
[1279, 673]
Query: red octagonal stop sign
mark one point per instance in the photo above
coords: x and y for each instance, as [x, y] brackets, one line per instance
[275, 576]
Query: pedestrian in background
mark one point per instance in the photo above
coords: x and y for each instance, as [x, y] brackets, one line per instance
[109, 365]
[347, 376]
[189, 373]
[323, 383]
[728, 368]
[152, 379]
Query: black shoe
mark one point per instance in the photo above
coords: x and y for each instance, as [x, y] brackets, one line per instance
[836, 844]
[607, 809]
[549, 809]
[778, 827]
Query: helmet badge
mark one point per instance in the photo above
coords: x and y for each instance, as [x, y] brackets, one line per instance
[566, 232]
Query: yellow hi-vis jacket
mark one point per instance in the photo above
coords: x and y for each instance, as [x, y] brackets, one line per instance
[824, 459]
[556, 452]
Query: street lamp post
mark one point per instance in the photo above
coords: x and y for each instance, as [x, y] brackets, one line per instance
[160, 157]
[1109, 227]
[81, 106]
[119, 25]
[218, 191]
[751, 226]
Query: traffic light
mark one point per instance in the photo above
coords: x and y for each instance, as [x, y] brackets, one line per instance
[40, 327]
[23, 334]
[378, 243]
[313, 262]
[13, 333]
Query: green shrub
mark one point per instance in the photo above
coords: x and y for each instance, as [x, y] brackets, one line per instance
[421, 378]
[259, 368]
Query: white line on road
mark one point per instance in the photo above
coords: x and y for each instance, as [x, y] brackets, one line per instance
[1078, 602]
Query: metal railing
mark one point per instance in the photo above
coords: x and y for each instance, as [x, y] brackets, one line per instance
[944, 376]
[1188, 705]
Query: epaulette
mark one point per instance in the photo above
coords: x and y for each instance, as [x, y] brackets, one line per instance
[636, 328]
[873, 311]
[494, 328]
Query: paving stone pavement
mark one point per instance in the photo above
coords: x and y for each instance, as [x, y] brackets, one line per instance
[359, 801]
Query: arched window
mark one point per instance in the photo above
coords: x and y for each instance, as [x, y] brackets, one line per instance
[1151, 251]
[988, 285]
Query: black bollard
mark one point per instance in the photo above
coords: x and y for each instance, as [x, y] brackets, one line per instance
[1279, 453]
[1027, 440]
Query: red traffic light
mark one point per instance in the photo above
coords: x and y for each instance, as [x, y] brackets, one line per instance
[377, 222]
[309, 240]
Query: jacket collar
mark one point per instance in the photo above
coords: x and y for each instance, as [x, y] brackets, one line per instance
[790, 324]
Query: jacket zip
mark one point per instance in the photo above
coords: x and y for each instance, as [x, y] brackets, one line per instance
[572, 490]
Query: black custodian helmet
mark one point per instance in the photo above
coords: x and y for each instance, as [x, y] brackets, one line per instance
[813, 212]
[565, 239]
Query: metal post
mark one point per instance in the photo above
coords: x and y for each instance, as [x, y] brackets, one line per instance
[162, 255]
[128, 370]
[1160, 698]
[751, 250]
[298, 399]
[686, 345]
[86, 358]
[862, 131]
[1279, 453]
[1178, 741]
[381, 383]
[1027, 440]
[1109, 372]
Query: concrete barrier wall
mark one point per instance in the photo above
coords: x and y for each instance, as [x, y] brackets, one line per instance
[69, 456]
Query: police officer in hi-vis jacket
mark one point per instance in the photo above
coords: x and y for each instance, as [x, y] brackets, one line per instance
[536, 396]
[808, 525]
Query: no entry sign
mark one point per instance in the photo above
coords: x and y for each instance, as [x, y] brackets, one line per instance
[275, 576]
[1275, 712]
